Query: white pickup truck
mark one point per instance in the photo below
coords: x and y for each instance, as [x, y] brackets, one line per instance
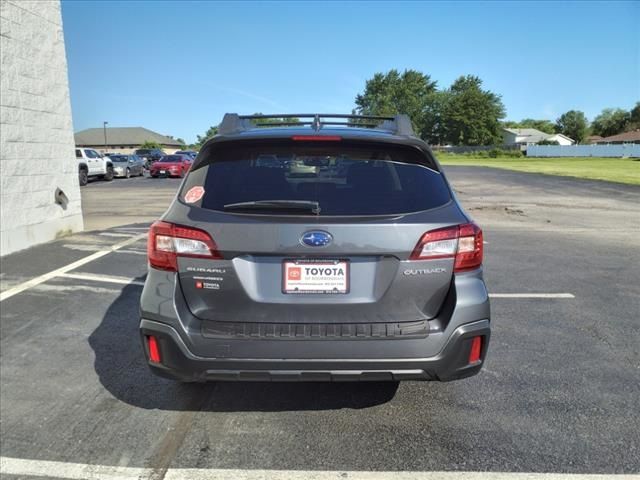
[92, 164]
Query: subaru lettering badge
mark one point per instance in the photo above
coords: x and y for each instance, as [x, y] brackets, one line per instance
[316, 239]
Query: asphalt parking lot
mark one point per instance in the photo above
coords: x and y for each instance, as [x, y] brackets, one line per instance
[559, 393]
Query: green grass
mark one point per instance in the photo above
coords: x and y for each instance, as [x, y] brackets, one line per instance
[621, 170]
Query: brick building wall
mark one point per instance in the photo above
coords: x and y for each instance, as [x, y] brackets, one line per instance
[36, 132]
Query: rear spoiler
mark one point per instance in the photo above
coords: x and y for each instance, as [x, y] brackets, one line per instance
[205, 157]
[232, 123]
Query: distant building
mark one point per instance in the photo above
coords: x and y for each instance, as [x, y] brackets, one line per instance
[123, 139]
[626, 137]
[591, 139]
[532, 136]
[560, 138]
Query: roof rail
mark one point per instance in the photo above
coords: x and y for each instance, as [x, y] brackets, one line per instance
[233, 123]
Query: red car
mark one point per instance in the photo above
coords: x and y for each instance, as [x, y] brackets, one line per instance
[171, 166]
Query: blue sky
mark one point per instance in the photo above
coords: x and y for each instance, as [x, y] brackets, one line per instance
[177, 67]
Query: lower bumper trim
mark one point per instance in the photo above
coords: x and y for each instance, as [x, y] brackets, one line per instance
[450, 364]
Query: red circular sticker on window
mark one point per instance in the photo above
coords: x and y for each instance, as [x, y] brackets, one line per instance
[194, 194]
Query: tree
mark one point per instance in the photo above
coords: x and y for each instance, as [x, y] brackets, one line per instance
[472, 115]
[545, 126]
[611, 121]
[150, 145]
[274, 121]
[573, 124]
[207, 135]
[434, 127]
[181, 142]
[634, 118]
[394, 92]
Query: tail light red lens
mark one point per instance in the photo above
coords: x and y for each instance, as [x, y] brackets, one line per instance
[470, 248]
[462, 242]
[154, 349]
[476, 350]
[167, 242]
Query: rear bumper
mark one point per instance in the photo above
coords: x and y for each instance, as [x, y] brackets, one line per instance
[178, 362]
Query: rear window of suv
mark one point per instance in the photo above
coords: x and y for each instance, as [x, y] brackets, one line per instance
[344, 180]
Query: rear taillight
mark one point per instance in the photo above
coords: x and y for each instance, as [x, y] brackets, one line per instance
[167, 242]
[470, 248]
[462, 242]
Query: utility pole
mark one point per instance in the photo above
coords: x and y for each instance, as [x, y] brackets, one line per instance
[104, 128]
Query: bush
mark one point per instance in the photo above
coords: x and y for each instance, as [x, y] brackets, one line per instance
[499, 153]
[514, 154]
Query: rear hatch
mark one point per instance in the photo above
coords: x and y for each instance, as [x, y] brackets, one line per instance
[315, 232]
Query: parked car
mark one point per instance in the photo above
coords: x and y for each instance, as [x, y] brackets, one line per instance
[127, 165]
[92, 164]
[149, 155]
[192, 153]
[171, 166]
[257, 274]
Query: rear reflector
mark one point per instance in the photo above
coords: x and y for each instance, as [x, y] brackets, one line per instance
[167, 242]
[461, 242]
[476, 350]
[154, 350]
[316, 138]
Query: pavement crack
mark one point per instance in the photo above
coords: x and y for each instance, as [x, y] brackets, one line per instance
[163, 455]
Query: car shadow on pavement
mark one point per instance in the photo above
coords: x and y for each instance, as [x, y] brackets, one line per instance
[122, 370]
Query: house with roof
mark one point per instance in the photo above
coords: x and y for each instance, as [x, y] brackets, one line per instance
[531, 136]
[123, 139]
[626, 137]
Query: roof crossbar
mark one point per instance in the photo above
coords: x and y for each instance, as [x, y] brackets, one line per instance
[233, 123]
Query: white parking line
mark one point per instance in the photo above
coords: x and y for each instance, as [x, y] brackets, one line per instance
[134, 252]
[42, 468]
[95, 277]
[531, 295]
[55, 273]
[111, 234]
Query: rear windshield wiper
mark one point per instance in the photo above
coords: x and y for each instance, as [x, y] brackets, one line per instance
[293, 205]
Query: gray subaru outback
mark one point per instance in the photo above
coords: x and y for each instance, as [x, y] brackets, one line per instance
[328, 247]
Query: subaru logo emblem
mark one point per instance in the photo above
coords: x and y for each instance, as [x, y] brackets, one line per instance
[316, 239]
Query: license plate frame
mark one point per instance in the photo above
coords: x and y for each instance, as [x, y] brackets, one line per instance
[341, 284]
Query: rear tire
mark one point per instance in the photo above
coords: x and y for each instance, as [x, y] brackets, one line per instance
[83, 177]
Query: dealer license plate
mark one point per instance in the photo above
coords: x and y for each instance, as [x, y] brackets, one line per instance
[315, 276]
